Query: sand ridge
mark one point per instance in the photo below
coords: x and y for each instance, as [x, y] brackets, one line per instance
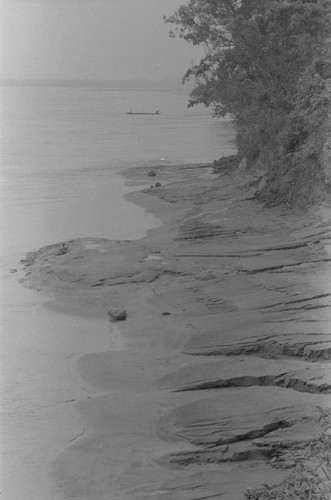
[227, 342]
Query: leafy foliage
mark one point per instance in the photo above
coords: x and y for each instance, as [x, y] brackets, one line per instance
[312, 479]
[267, 64]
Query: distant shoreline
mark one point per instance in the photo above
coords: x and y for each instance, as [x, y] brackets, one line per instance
[167, 84]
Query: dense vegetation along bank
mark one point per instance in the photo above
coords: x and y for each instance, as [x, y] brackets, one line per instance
[267, 64]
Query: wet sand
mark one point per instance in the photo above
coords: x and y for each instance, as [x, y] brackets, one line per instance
[40, 385]
[225, 352]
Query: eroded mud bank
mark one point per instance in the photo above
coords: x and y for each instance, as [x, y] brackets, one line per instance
[228, 345]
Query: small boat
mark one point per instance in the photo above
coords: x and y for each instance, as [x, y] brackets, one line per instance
[154, 113]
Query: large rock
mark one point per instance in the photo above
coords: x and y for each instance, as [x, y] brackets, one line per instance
[117, 314]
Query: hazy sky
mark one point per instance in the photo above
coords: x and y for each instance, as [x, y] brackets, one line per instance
[95, 39]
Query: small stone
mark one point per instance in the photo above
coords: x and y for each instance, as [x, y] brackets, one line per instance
[158, 184]
[13, 270]
[240, 456]
[117, 314]
[166, 313]
[63, 249]
[151, 173]
[205, 276]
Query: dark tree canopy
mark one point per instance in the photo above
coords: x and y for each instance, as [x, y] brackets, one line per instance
[267, 64]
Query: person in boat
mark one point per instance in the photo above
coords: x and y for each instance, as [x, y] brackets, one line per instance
[154, 113]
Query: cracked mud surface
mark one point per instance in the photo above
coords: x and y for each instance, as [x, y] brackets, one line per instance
[227, 342]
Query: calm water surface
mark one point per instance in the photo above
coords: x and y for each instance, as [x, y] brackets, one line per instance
[61, 152]
[62, 147]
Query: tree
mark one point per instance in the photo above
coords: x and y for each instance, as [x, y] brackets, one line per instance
[267, 64]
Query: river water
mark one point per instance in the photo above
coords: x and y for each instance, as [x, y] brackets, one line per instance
[61, 152]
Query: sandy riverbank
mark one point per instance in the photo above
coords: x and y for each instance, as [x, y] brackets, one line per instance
[226, 346]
